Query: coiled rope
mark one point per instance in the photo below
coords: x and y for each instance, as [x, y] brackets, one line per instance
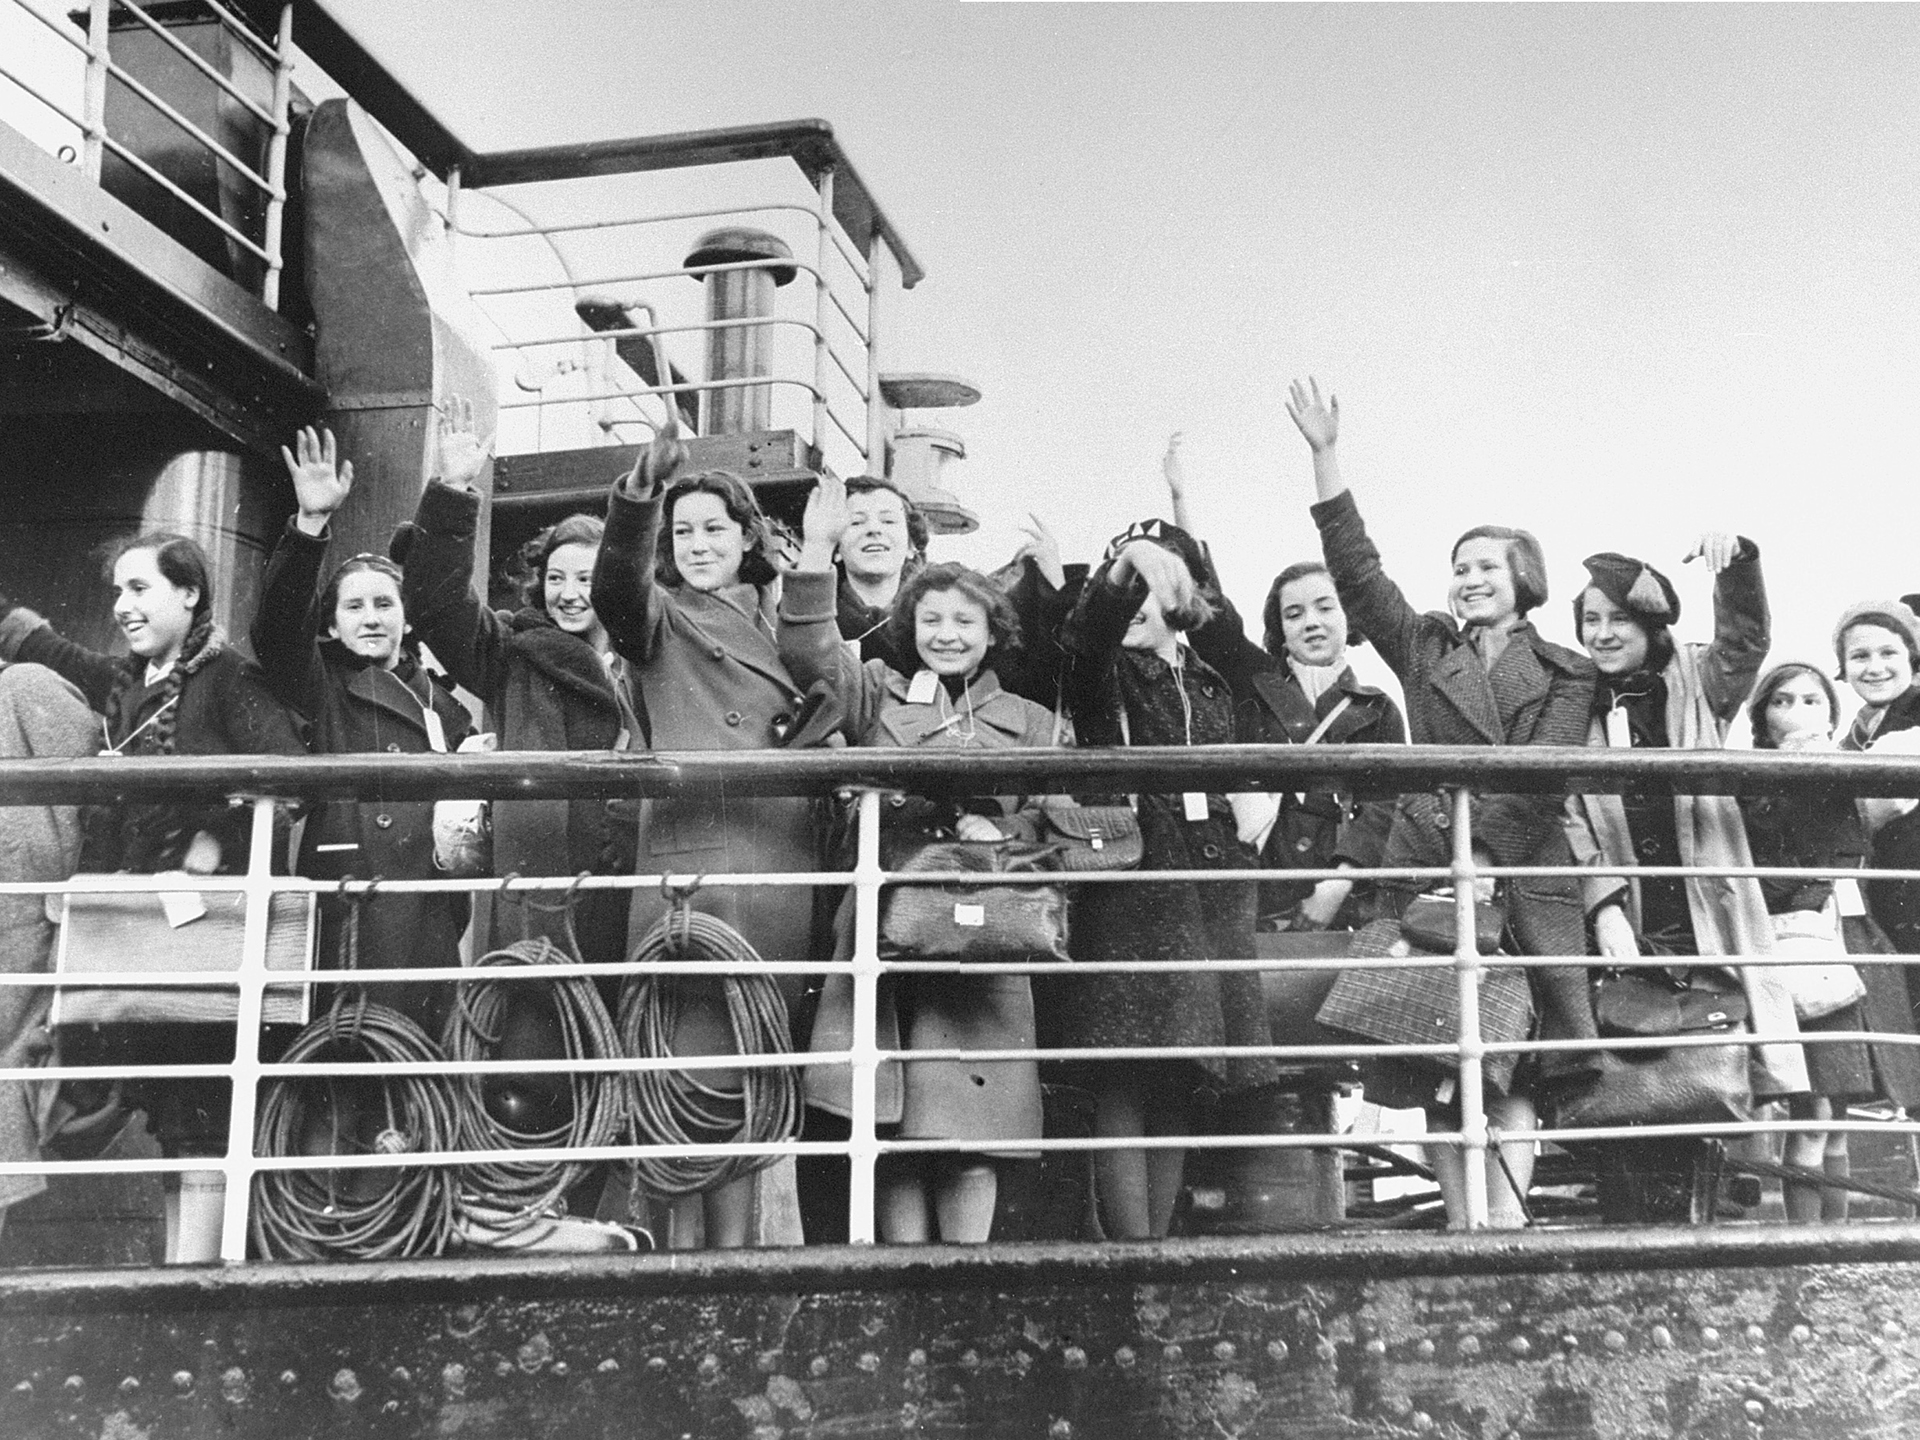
[597, 1108]
[679, 1107]
[365, 1214]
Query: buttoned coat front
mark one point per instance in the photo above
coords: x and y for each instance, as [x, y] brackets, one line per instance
[1536, 693]
[712, 678]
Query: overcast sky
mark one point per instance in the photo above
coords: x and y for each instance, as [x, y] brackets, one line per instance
[1613, 273]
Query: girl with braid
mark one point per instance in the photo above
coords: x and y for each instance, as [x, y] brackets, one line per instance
[182, 691]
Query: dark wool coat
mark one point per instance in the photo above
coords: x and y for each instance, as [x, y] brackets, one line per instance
[1819, 832]
[356, 708]
[225, 709]
[42, 717]
[1320, 828]
[1896, 846]
[1173, 920]
[712, 679]
[544, 690]
[1536, 694]
[932, 1099]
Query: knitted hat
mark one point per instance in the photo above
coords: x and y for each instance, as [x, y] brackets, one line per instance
[1894, 615]
[1635, 586]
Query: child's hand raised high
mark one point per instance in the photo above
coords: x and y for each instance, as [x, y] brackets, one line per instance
[321, 481]
[462, 453]
[825, 520]
[1318, 419]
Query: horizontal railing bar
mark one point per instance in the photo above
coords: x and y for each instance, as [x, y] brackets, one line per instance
[626, 332]
[689, 387]
[697, 272]
[237, 236]
[239, 28]
[1375, 769]
[187, 53]
[577, 227]
[247, 171]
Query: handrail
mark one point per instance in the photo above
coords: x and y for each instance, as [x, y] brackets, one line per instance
[1382, 770]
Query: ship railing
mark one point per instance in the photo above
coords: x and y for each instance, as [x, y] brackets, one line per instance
[265, 174]
[837, 308]
[866, 776]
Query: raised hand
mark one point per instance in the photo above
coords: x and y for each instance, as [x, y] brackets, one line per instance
[462, 453]
[320, 484]
[823, 523]
[1317, 418]
[1043, 550]
[1165, 573]
[1716, 548]
[1172, 467]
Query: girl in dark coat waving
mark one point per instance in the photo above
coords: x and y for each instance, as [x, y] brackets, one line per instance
[1478, 676]
[337, 653]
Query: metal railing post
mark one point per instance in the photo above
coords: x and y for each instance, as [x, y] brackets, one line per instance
[823, 299]
[453, 223]
[1466, 959]
[246, 1048]
[276, 176]
[863, 1148]
[876, 407]
[93, 105]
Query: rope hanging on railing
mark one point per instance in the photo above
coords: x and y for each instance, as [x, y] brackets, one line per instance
[679, 1107]
[365, 1214]
[565, 1016]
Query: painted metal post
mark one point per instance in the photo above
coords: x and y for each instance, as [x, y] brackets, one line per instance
[876, 456]
[246, 1049]
[863, 1149]
[1466, 959]
[93, 107]
[823, 304]
[276, 176]
[453, 220]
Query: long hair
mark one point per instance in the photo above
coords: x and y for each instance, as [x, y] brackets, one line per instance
[1003, 623]
[184, 565]
[1763, 697]
[756, 567]
[1525, 559]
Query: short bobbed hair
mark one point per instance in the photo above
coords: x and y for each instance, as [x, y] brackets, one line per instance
[756, 566]
[531, 572]
[1763, 697]
[1274, 640]
[918, 531]
[1524, 558]
[1003, 624]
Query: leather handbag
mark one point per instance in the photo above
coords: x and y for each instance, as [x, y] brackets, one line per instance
[1092, 837]
[1693, 1084]
[1826, 985]
[1422, 1006]
[103, 933]
[1430, 921]
[984, 921]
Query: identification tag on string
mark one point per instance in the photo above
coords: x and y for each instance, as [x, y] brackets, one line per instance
[182, 907]
[1195, 802]
[1619, 733]
[436, 731]
[974, 917]
[1847, 894]
[923, 687]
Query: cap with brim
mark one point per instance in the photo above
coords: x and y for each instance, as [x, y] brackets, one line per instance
[1895, 615]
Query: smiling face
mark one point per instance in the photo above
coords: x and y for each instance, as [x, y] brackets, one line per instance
[155, 614]
[951, 632]
[367, 617]
[1149, 630]
[1312, 624]
[1876, 662]
[1797, 709]
[567, 588]
[1616, 641]
[708, 543]
[875, 546]
[1482, 591]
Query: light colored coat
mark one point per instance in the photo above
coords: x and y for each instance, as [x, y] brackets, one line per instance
[1729, 914]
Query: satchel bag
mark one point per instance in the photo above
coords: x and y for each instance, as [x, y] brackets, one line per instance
[105, 933]
[975, 922]
[1092, 837]
[1828, 985]
[1430, 921]
[1422, 1006]
[1694, 1084]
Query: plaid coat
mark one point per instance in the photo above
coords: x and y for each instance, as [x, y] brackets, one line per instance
[1537, 693]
